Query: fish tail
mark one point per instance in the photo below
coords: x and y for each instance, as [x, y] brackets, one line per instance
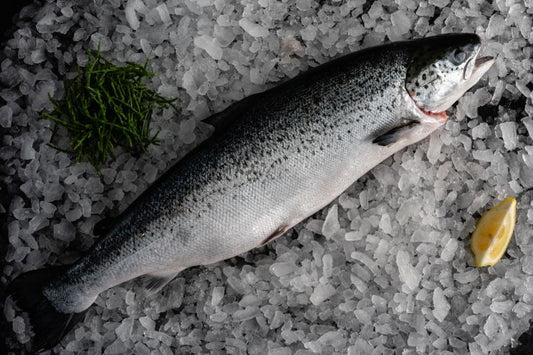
[48, 324]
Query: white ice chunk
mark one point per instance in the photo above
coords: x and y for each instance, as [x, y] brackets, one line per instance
[385, 223]
[466, 277]
[496, 26]
[331, 224]
[439, 3]
[217, 295]
[448, 252]
[94, 186]
[481, 131]
[65, 231]
[162, 10]
[441, 307]
[407, 273]
[131, 16]
[253, 29]
[528, 122]
[18, 325]
[147, 322]
[321, 293]
[510, 139]
[502, 306]
[282, 268]
[401, 22]
[527, 264]
[435, 145]
[115, 348]
[67, 11]
[6, 116]
[491, 326]
[210, 45]
[26, 151]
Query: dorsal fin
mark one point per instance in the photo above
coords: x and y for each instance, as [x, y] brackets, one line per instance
[224, 118]
[104, 225]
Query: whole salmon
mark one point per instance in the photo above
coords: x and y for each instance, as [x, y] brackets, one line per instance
[275, 158]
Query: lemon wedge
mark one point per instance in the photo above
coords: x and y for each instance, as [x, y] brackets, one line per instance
[493, 233]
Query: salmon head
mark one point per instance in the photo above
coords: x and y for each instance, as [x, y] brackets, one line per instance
[442, 68]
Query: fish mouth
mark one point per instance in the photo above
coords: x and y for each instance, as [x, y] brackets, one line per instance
[483, 64]
[439, 116]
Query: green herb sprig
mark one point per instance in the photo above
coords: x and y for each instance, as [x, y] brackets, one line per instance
[107, 106]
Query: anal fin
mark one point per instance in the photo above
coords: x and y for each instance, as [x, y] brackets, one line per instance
[154, 282]
[394, 135]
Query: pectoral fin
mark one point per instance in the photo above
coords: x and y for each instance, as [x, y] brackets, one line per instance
[396, 134]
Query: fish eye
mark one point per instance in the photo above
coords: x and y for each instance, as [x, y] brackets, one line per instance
[458, 56]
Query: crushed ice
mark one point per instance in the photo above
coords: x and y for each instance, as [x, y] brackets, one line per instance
[386, 266]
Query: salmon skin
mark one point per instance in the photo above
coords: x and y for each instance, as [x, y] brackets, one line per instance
[275, 158]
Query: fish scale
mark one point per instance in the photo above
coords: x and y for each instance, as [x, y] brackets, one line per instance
[275, 159]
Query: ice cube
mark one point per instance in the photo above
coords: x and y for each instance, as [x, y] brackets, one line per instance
[26, 151]
[321, 293]
[331, 224]
[141, 349]
[145, 46]
[308, 33]
[115, 348]
[439, 3]
[327, 265]
[210, 45]
[37, 223]
[282, 268]
[528, 122]
[94, 186]
[131, 15]
[466, 277]
[448, 252]
[218, 317]
[481, 131]
[18, 325]
[496, 26]
[401, 22]
[491, 326]
[74, 214]
[65, 231]
[253, 29]
[164, 14]
[150, 173]
[509, 136]
[85, 205]
[67, 11]
[147, 322]
[365, 260]
[290, 45]
[407, 273]
[485, 155]
[527, 264]
[441, 307]
[6, 116]
[502, 306]
[435, 145]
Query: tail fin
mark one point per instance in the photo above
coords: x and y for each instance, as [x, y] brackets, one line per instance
[48, 324]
